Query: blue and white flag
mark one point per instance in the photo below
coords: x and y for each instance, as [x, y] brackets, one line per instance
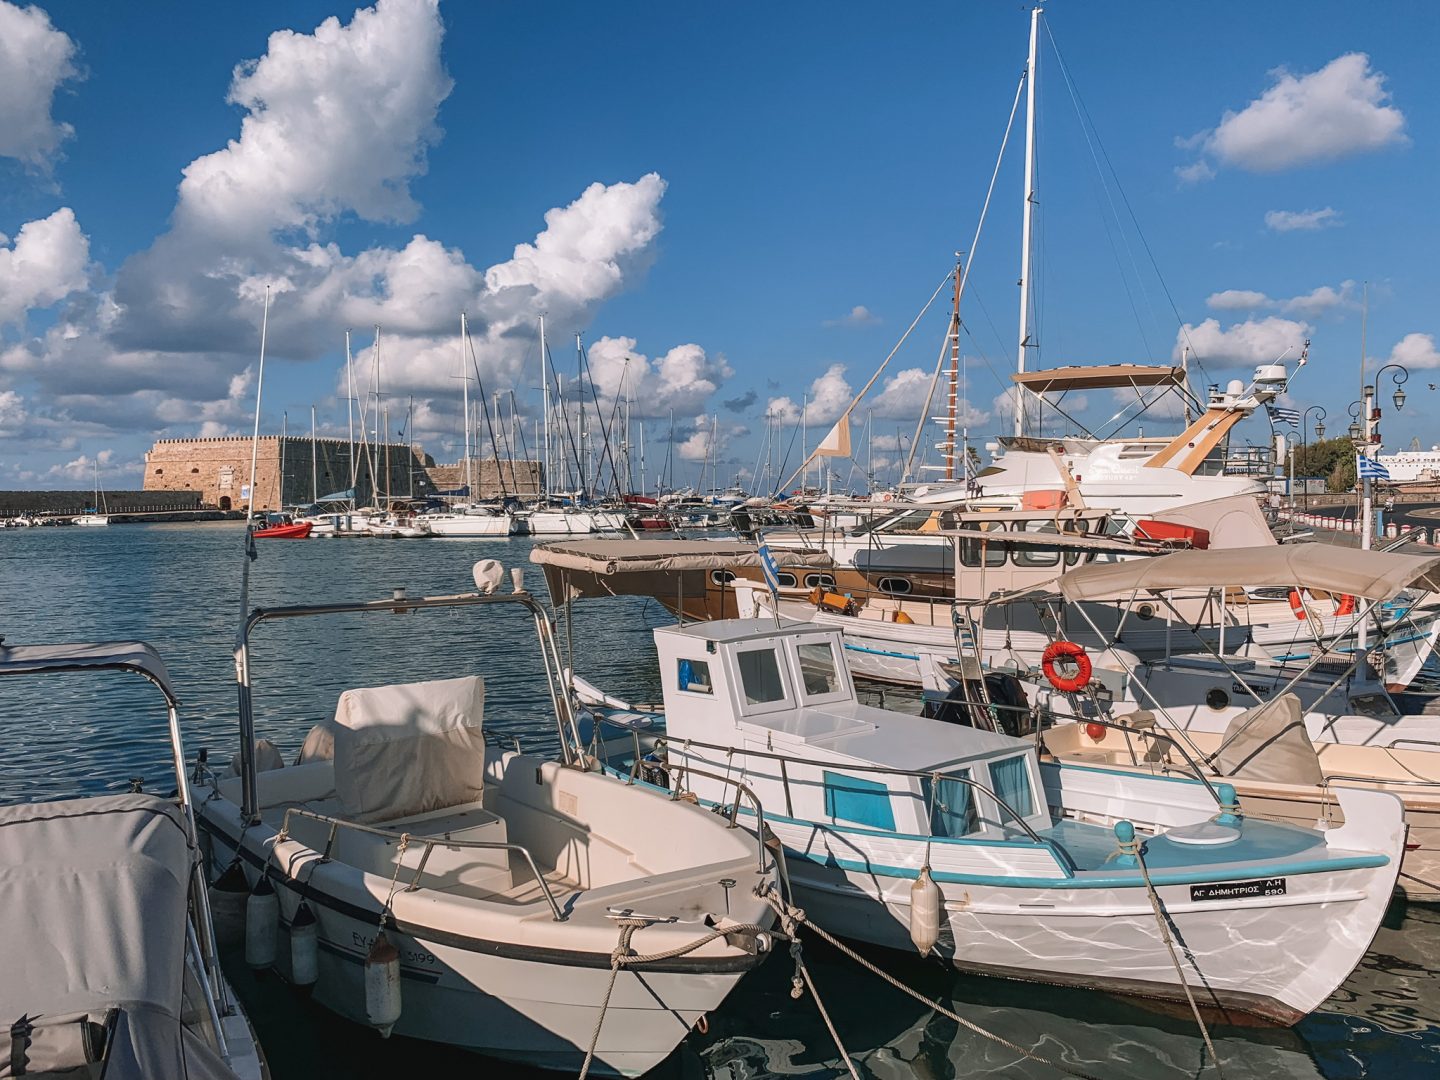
[769, 569]
[1369, 468]
[1284, 416]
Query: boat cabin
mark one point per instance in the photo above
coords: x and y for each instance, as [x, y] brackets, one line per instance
[779, 706]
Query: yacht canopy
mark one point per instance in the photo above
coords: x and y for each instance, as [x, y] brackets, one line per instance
[1099, 377]
[134, 656]
[1374, 575]
[581, 568]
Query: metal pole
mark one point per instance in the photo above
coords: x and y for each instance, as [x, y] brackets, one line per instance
[1028, 217]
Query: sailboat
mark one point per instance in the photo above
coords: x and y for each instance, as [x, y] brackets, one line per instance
[99, 514]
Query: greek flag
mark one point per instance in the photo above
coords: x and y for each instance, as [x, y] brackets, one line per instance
[1369, 469]
[1284, 416]
[769, 569]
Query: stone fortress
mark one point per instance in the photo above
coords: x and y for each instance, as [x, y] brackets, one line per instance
[218, 469]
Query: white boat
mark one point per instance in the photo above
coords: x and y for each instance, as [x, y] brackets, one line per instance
[572, 521]
[469, 521]
[97, 516]
[92, 520]
[1288, 734]
[397, 527]
[502, 884]
[1040, 871]
[108, 963]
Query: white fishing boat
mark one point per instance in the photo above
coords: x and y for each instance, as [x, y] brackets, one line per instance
[522, 907]
[1288, 734]
[108, 964]
[393, 526]
[909, 832]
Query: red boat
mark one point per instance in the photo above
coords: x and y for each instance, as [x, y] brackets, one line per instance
[297, 531]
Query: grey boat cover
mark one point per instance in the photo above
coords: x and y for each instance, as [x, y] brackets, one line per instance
[97, 656]
[1373, 575]
[1268, 743]
[95, 895]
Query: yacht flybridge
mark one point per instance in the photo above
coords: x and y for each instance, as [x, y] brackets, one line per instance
[478, 896]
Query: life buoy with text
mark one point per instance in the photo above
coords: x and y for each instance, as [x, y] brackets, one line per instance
[1076, 654]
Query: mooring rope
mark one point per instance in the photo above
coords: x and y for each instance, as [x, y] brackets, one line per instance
[1133, 847]
[797, 917]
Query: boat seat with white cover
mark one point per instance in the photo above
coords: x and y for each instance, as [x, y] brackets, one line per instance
[1268, 743]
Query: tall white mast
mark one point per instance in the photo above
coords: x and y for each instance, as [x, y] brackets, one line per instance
[545, 406]
[1029, 216]
[314, 461]
[350, 410]
[465, 395]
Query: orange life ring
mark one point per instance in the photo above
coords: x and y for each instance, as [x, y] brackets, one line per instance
[1297, 605]
[1070, 651]
[1345, 605]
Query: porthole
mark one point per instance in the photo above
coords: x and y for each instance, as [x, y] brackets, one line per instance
[787, 581]
[819, 581]
[1217, 698]
[1145, 612]
[721, 577]
[896, 585]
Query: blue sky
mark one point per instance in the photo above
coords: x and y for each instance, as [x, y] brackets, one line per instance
[751, 203]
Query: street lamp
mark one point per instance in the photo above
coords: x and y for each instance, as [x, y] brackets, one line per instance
[1401, 374]
[1319, 433]
[1357, 429]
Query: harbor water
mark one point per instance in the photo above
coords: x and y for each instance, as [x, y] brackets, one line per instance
[177, 586]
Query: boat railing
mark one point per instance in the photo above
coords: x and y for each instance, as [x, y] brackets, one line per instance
[733, 813]
[786, 760]
[1143, 733]
[429, 843]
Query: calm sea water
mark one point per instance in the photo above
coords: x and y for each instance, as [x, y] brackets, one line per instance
[177, 586]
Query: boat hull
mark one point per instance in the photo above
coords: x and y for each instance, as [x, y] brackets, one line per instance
[298, 531]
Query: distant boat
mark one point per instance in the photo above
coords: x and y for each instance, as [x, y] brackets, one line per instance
[284, 530]
[97, 516]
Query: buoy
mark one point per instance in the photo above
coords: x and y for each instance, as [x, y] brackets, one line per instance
[262, 925]
[304, 948]
[903, 619]
[1076, 654]
[924, 912]
[382, 985]
[1095, 731]
[228, 895]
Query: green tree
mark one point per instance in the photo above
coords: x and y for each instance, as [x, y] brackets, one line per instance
[1333, 459]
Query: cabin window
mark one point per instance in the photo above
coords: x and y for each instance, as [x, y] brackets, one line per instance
[721, 577]
[1011, 780]
[994, 551]
[787, 581]
[818, 669]
[952, 805]
[861, 802]
[694, 677]
[897, 585]
[819, 581]
[760, 676]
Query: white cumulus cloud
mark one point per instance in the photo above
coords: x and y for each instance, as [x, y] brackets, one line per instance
[36, 59]
[47, 262]
[1340, 110]
[1237, 300]
[859, 315]
[1302, 220]
[1255, 341]
[1316, 302]
[682, 380]
[1416, 351]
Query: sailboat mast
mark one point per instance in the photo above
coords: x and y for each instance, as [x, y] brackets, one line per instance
[465, 398]
[314, 461]
[350, 411]
[545, 408]
[954, 394]
[1028, 217]
[284, 434]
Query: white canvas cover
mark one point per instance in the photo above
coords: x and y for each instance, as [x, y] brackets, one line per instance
[409, 748]
[1233, 522]
[1268, 743]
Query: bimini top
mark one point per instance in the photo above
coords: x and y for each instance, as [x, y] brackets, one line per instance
[1099, 377]
[134, 656]
[1374, 575]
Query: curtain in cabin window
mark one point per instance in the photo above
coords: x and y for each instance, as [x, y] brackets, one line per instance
[952, 805]
[1011, 781]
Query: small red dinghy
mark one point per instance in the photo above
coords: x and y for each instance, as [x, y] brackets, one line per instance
[298, 531]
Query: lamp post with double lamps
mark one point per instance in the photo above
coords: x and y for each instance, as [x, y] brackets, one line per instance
[1319, 434]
